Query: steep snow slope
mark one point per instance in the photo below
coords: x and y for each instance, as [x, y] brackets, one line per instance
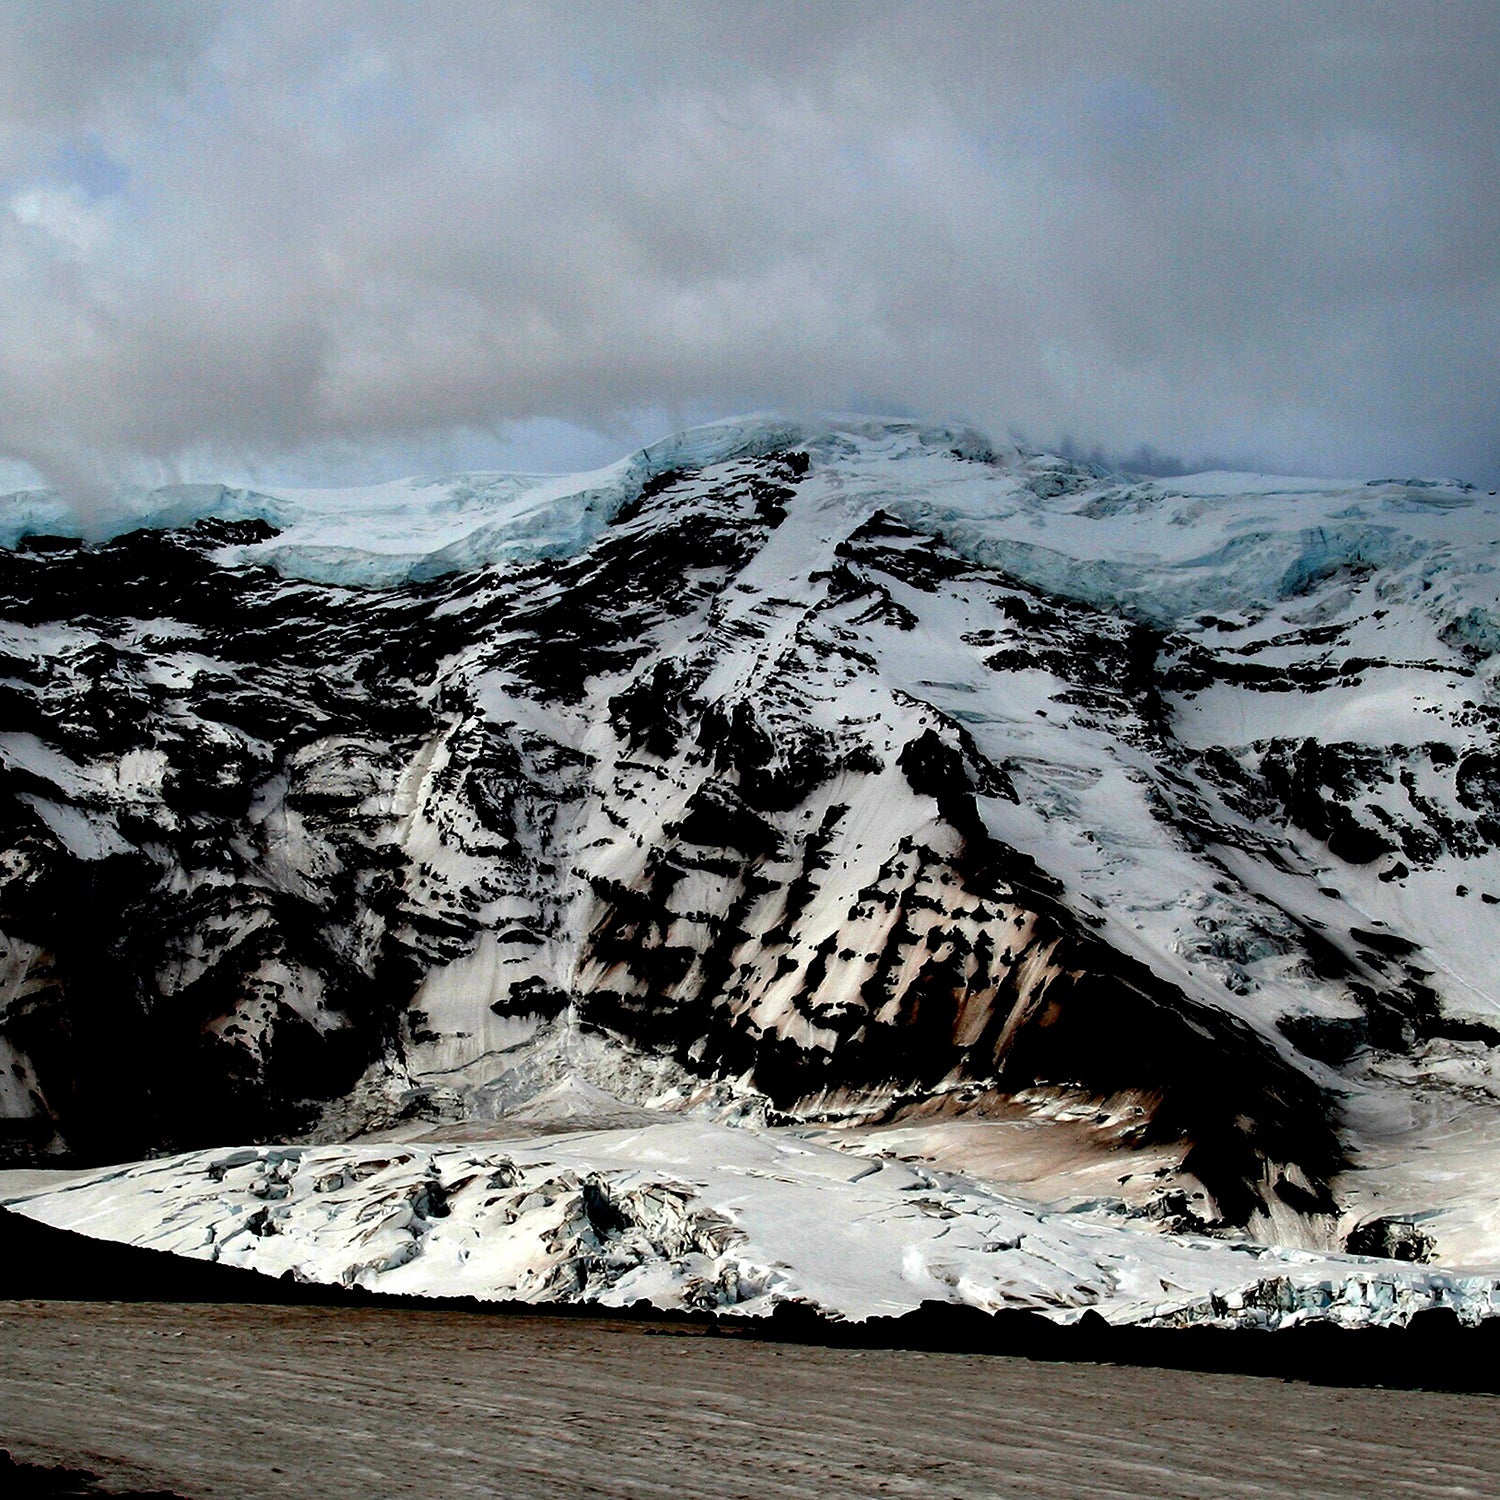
[850, 774]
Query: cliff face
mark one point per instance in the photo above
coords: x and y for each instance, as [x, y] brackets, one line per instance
[815, 774]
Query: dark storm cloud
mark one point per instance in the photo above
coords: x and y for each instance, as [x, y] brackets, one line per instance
[252, 234]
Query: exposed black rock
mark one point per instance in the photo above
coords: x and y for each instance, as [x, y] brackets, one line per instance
[1392, 1239]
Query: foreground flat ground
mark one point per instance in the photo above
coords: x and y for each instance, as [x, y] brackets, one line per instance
[247, 1402]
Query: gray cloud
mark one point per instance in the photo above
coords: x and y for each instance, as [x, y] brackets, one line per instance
[316, 236]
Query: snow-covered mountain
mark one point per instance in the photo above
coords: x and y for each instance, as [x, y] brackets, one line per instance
[1132, 843]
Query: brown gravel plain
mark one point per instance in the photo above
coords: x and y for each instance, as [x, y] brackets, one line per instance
[312, 1402]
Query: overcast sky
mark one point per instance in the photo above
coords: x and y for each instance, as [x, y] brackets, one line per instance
[333, 241]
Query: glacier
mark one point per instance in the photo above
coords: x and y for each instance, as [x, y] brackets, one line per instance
[693, 1215]
[1122, 851]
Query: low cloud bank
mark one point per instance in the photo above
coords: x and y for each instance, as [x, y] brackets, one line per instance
[312, 240]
